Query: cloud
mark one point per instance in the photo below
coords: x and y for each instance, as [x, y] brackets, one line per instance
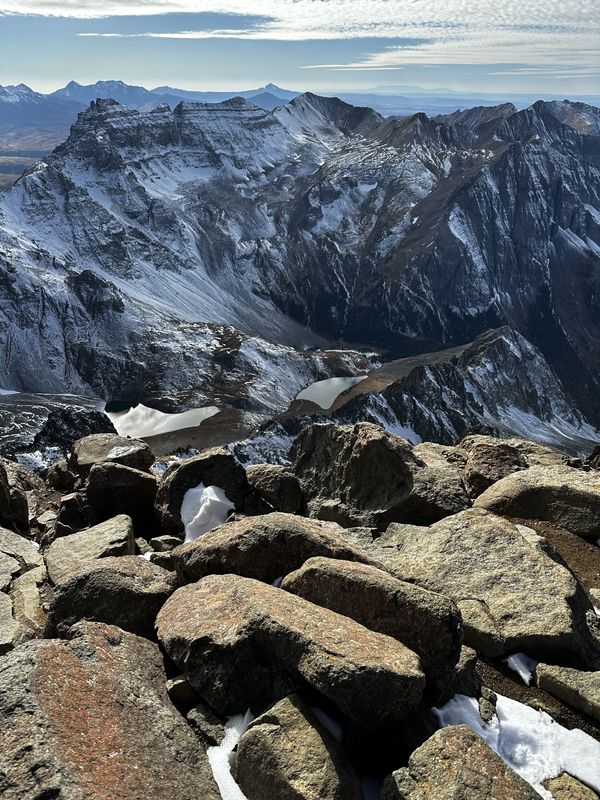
[560, 32]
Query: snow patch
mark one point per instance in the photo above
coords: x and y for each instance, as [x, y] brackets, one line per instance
[530, 742]
[523, 665]
[204, 508]
[328, 723]
[219, 757]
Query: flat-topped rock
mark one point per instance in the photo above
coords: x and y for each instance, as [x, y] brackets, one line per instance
[512, 595]
[265, 547]
[127, 591]
[90, 718]
[242, 643]
[576, 688]
[21, 550]
[426, 622]
[68, 554]
[566, 497]
[100, 447]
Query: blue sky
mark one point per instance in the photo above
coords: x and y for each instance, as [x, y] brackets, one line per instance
[465, 45]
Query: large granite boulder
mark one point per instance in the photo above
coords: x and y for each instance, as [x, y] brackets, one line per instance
[14, 512]
[563, 496]
[214, 467]
[90, 718]
[456, 764]
[426, 622]
[100, 447]
[288, 753]
[243, 643]
[576, 688]
[17, 554]
[264, 547]
[127, 591]
[488, 463]
[277, 485]
[362, 475]
[68, 554]
[512, 594]
[114, 489]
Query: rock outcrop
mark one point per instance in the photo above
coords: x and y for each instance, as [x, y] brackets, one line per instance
[100, 447]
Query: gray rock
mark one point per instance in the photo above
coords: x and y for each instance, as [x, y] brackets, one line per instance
[286, 752]
[8, 568]
[566, 497]
[488, 463]
[535, 454]
[243, 643]
[21, 550]
[363, 475]
[566, 787]
[466, 679]
[100, 447]
[91, 717]
[265, 547]
[164, 544]
[277, 485]
[28, 604]
[578, 689]
[127, 591]
[456, 764]
[114, 489]
[207, 725]
[8, 627]
[428, 623]
[512, 595]
[60, 477]
[68, 554]
[215, 467]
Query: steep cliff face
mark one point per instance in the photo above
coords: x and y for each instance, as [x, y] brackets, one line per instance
[316, 221]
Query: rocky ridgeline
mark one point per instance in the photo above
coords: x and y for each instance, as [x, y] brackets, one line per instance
[347, 595]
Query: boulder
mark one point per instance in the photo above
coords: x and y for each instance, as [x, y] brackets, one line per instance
[489, 463]
[287, 753]
[566, 787]
[362, 475]
[593, 461]
[435, 455]
[277, 485]
[243, 643]
[565, 497]
[427, 623]
[578, 689]
[534, 453]
[66, 425]
[265, 548]
[14, 511]
[9, 630]
[127, 591]
[68, 554]
[114, 489]
[60, 477]
[90, 718]
[214, 467]
[456, 764]
[100, 447]
[513, 596]
[28, 604]
[9, 567]
[21, 550]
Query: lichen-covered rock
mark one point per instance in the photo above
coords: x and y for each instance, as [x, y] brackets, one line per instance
[576, 688]
[566, 497]
[214, 467]
[243, 643]
[91, 717]
[426, 622]
[512, 594]
[127, 591]
[265, 547]
[456, 764]
[68, 554]
[287, 753]
[363, 475]
[277, 485]
[100, 447]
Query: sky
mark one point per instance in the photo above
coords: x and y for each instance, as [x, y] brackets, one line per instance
[501, 46]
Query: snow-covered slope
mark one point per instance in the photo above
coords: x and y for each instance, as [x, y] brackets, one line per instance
[121, 252]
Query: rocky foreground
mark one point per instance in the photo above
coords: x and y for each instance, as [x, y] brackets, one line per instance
[316, 645]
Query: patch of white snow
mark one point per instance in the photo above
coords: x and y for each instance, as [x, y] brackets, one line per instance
[219, 757]
[523, 665]
[202, 509]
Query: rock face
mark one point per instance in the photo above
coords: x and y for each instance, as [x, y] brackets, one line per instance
[100, 447]
[277, 485]
[264, 547]
[242, 643]
[512, 595]
[566, 497]
[68, 554]
[114, 489]
[428, 623]
[580, 690]
[64, 426]
[363, 475]
[214, 467]
[456, 764]
[97, 721]
[286, 752]
[126, 591]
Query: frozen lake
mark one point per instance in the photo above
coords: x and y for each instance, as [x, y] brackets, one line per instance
[141, 421]
[324, 393]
